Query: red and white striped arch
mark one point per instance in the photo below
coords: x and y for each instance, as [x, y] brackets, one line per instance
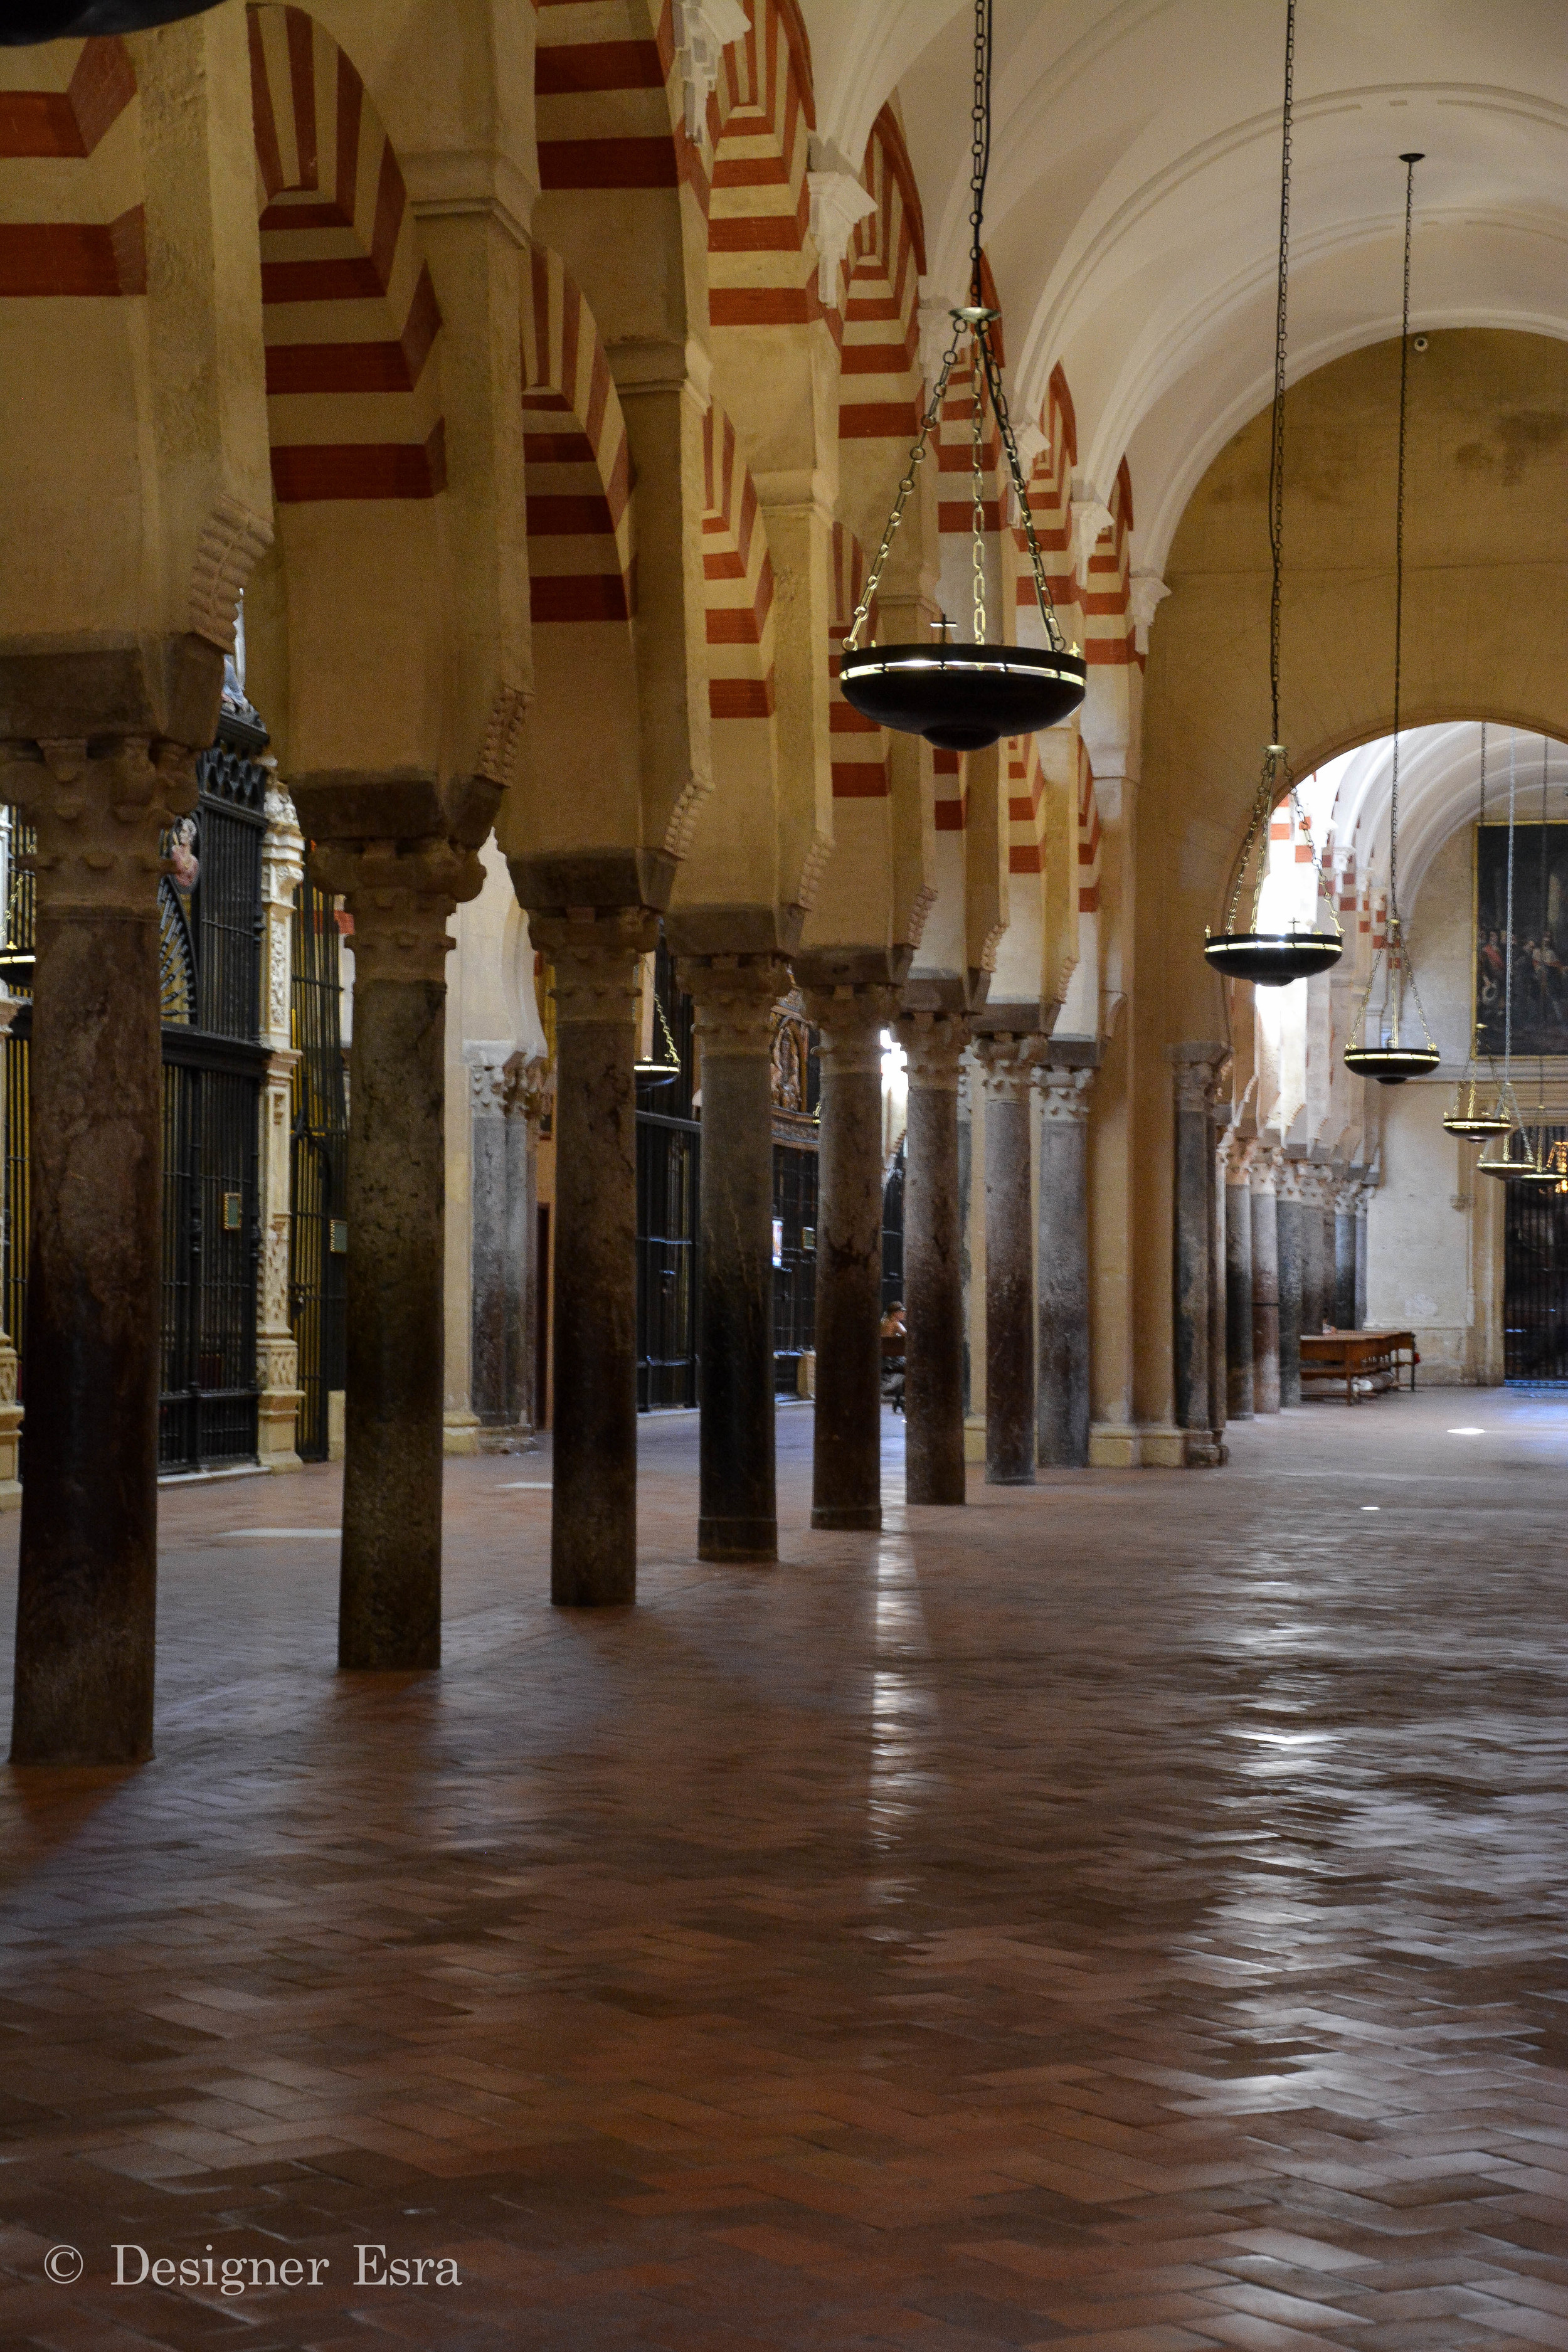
[881, 392]
[739, 580]
[1049, 485]
[1109, 636]
[609, 103]
[80, 232]
[859, 745]
[1087, 836]
[348, 308]
[1026, 806]
[759, 209]
[581, 565]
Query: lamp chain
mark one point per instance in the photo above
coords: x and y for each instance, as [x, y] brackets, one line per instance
[1409, 162]
[1277, 434]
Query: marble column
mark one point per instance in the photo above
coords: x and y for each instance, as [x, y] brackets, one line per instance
[401, 896]
[1239, 1404]
[1345, 1258]
[1362, 1203]
[1006, 1066]
[1329, 1283]
[1062, 1274]
[1312, 1250]
[277, 1356]
[1290, 1216]
[847, 1447]
[1265, 1283]
[87, 1581]
[1219, 1122]
[934, 1045]
[593, 1517]
[735, 997]
[508, 1093]
[1195, 1069]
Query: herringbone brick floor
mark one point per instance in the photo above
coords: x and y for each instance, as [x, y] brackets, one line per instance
[1126, 1916]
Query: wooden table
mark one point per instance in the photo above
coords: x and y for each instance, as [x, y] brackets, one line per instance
[1352, 1355]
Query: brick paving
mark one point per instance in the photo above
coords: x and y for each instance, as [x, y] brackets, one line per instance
[1126, 1916]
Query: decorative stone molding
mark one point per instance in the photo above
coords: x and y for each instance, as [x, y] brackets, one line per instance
[813, 866]
[1064, 1093]
[920, 906]
[733, 999]
[1146, 592]
[1007, 1066]
[401, 896]
[703, 31]
[838, 202]
[849, 1020]
[232, 543]
[503, 736]
[1091, 518]
[934, 1045]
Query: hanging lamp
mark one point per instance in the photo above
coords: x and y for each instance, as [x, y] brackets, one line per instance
[1470, 1114]
[664, 1065]
[1392, 1059]
[963, 696]
[1274, 959]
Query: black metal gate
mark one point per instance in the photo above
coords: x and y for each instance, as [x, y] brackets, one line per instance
[1535, 1282]
[317, 1232]
[213, 1069]
[794, 1262]
[893, 1233]
[668, 1146]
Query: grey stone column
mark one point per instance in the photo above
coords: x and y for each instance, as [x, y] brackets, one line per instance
[734, 998]
[507, 1095]
[1265, 1284]
[594, 1515]
[1195, 1069]
[1326, 1186]
[934, 1045]
[402, 898]
[1237, 1282]
[1063, 1403]
[1290, 1212]
[87, 1576]
[1345, 1258]
[1007, 1066]
[1219, 1120]
[1311, 1249]
[846, 1452]
[1364, 1202]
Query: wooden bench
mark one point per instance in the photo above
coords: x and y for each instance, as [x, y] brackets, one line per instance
[1352, 1356]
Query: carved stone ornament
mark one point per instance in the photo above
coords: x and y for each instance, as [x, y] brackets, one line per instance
[734, 998]
[849, 1020]
[99, 813]
[838, 203]
[934, 1045]
[402, 896]
[1063, 1094]
[703, 30]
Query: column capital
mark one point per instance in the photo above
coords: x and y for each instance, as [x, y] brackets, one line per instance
[100, 810]
[849, 1018]
[1064, 1093]
[934, 1045]
[593, 954]
[1262, 1165]
[1008, 1065]
[1199, 1069]
[283, 849]
[401, 895]
[734, 998]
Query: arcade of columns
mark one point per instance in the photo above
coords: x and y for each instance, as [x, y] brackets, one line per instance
[542, 391]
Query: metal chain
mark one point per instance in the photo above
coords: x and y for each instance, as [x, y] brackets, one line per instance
[977, 492]
[1043, 596]
[1409, 162]
[979, 145]
[916, 455]
[1277, 434]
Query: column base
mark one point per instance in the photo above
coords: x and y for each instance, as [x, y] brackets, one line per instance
[738, 1540]
[10, 1494]
[1154, 1446]
[514, 1437]
[460, 1433]
[943, 1502]
[1010, 1477]
[855, 1518]
[975, 1437]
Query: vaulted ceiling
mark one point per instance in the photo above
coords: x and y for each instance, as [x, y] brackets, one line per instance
[1133, 213]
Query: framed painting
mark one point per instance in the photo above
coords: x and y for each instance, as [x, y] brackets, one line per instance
[1539, 939]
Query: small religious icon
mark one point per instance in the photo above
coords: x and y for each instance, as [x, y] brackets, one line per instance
[183, 856]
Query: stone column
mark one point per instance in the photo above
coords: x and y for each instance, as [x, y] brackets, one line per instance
[934, 1045]
[1007, 1066]
[1291, 1214]
[1239, 1403]
[1345, 1258]
[401, 896]
[1063, 1404]
[733, 996]
[1312, 1250]
[1219, 1122]
[593, 1518]
[1195, 1068]
[507, 1095]
[1265, 1282]
[277, 1356]
[847, 1454]
[87, 1582]
[1362, 1203]
[1326, 1194]
[10, 1411]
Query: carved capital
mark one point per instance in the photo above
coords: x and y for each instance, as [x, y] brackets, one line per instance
[1201, 1072]
[593, 960]
[283, 850]
[1064, 1093]
[530, 1083]
[934, 1045]
[99, 811]
[849, 1020]
[401, 895]
[733, 997]
[1007, 1063]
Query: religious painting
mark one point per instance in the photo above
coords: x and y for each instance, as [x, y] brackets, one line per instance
[1539, 939]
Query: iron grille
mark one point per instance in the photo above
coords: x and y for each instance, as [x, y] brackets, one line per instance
[318, 1232]
[893, 1233]
[794, 1262]
[1535, 1282]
